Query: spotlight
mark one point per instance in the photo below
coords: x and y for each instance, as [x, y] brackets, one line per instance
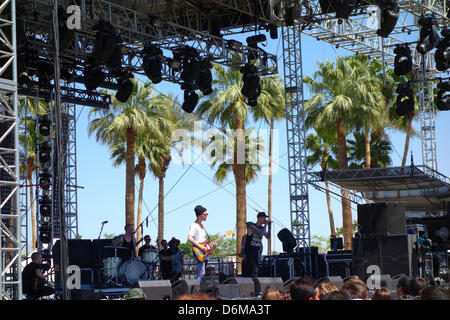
[191, 65]
[429, 36]
[114, 62]
[405, 99]
[45, 74]
[45, 231]
[190, 100]
[327, 6]
[152, 63]
[105, 42]
[389, 16]
[44, 126]
[443, 96]
[44, 152]
[403, 60]
[45, 206]
[251, 88]
[442, 55]
[93, 75]
[204, 79]
[45, 179]
[125, 87]
[273, 29]
[253, 44]
[344, 8]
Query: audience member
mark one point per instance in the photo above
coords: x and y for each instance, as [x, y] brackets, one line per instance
[403, 288]
[285, 295]
[135, 294]
[196, 296]
[325, 288]
[270, 294]
[433, 293]
[335, 295]
[355, 289]
[415, 285]
[304, 289]
[382, 294]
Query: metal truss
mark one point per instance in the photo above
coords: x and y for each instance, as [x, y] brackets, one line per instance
[10, 237]
[296, 133]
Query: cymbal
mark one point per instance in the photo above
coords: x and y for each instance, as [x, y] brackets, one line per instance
[114, 247]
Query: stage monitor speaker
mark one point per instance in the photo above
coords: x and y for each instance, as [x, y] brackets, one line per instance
[381, 219]
[287, 239]
[392, 254]
[337, 281]
[263, 283]
[80, 252]
[183, 286]
[229, 291]
[246, 286]
[156, 289]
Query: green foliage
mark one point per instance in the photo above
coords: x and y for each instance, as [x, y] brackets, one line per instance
[321, 242]
[226, 246]
[340, 231]
[380, 147]
[109, 235]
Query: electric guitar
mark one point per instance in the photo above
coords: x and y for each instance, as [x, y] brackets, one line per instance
[201, 256]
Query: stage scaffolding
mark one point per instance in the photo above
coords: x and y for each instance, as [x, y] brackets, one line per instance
[207, 26]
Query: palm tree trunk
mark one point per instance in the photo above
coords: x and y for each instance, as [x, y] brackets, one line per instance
[330, 210]
[129, 176]
[408, 137]
[269, 196]
[241, 196]
[367, 141]
[141, 166]
[161, 209]
[347, 222]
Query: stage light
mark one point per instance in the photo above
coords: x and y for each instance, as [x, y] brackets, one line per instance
[44, 152]
[191, 65]
[429, 36]
[45, 73]
[402, 60]
[45, 231]
[105, 42]
[443, 96]
[45, 206]
[273, 31]
[252, 43]
[405, 99]
[327, 6]
[114, 62]
[204, 80]
[125, 87]
[442, 55]
[44, 126]
[190, 100]
[389, 16]
[45, 179]
[93, 77]
[175, 63]
[344, 8]
[152, 63]
[251, 88]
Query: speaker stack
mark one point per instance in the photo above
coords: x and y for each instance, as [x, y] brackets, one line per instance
[382, 240]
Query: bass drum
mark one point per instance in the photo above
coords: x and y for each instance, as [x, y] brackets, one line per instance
[134, 270]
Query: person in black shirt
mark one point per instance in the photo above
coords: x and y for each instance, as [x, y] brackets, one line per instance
[33, 279]
[165, 258]
[146, 246]
[127, 241]
[253, 244]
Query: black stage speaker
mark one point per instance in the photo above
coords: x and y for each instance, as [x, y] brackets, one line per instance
[156, 289]
[337, 281]
[182, 286]
[287, 239]
[246, 286]
[80, 252]
[381, 218]
[263, 283]
[99, 252]
[77, 294]
[391, 253]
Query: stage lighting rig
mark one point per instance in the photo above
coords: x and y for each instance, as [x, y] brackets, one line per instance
[389, 17]
[443, 96]
[405, 99]
[191, 65]
[442, 55]
[105, 42]
[44, 125]
[204, 79]
[429, 36]
[125, 86]
[45, 179]
[402, 60]
[251, 88]
[190, 100]
[175, 63]
[253, 44]
[342, 8]
[114, 63]
[45, 206]
[66, 35]
[44, 152]
[93, 77]
[45, 233]
[152, 63]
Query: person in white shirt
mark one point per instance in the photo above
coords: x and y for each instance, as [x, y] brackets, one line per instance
[197, 236]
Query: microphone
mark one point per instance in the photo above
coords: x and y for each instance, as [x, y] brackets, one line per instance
[104, 222]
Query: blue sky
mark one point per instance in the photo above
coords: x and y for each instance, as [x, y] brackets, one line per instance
[102, 196]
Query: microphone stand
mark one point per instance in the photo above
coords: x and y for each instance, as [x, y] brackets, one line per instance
[103, 224]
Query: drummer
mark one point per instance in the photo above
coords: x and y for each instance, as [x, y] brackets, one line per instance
[146, 246]
[127, 241]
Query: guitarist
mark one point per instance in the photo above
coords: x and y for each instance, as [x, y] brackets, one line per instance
[198, 235]
[33, 279]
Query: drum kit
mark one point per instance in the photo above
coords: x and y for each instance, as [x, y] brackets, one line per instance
[126, 273]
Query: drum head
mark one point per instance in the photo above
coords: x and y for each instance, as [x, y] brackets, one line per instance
[136, 271]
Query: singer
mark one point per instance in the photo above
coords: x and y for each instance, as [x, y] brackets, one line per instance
[128, 241]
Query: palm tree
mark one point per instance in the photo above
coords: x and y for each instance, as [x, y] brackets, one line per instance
[380, 149]
[339, 89]
[139, 116]
[320, 147]
[228, 107]
[271, 107]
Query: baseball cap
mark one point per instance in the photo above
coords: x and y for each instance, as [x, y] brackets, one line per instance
[262, 214]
